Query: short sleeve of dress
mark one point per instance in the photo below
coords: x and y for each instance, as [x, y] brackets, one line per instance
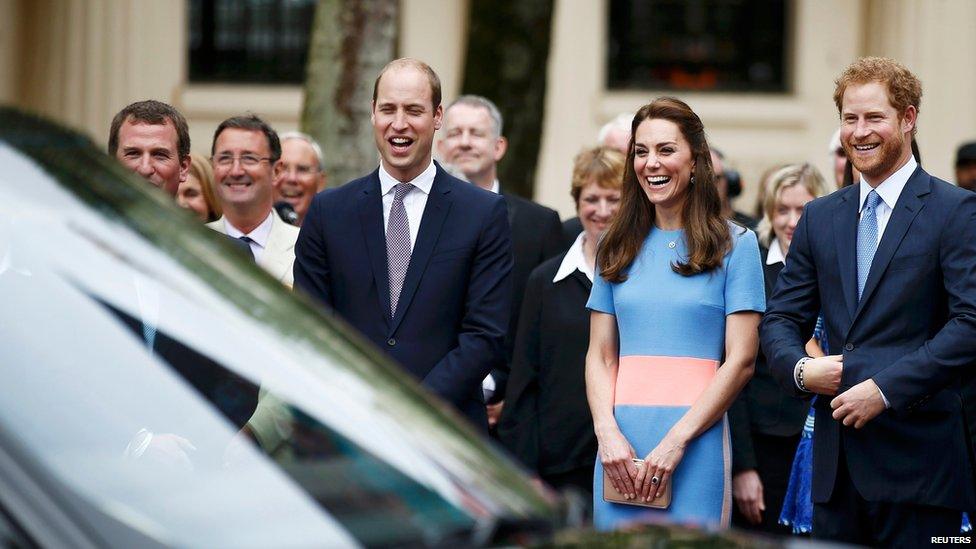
[601, 296]
[744, 286]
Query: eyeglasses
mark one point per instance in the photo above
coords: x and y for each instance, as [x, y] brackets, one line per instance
[301, 170]
[247, 160]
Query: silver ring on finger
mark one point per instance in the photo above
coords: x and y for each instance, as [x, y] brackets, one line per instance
[655, 480]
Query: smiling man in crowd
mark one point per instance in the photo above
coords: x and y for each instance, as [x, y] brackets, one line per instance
[417, 260]
[473, 143]
[245, 157]
[301, 173]
[151, 138]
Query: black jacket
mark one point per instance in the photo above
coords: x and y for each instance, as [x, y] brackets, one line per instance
[763, 406]
[536, 236]
[546, 421]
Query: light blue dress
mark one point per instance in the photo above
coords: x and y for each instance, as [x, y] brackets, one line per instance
[672, 339]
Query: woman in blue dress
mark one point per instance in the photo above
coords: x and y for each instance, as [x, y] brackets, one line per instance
[679, 289]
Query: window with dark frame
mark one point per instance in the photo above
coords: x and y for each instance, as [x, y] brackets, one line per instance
[698, 45]
[249, 41]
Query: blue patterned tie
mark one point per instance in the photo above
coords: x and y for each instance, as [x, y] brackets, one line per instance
[398, 244]
[867, 239]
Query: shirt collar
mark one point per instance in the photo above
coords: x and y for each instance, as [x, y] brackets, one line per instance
[424, 181]
[890, 189]
[574, 261]
[259, 235]
[495, 187]
[775, 254]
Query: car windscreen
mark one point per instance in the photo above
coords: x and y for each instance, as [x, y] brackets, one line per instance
[152, 369]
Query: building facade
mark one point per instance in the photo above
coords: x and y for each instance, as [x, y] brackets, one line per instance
[80, 61]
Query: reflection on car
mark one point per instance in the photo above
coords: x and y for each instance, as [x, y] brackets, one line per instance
[159, 389]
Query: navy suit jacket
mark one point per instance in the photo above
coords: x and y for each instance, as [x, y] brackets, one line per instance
[913, 332]
[453, 312]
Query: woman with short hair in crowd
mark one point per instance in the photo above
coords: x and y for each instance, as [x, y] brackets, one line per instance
[546, 422]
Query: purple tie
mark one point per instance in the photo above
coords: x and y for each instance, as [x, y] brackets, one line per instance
[398, 244]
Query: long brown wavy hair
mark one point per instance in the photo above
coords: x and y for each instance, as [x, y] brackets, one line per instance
[706, 232]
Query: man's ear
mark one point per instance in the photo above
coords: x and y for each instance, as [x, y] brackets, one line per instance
[276, 171]
[438, 116]
[909, 119]
[501, 147]
[184, 168]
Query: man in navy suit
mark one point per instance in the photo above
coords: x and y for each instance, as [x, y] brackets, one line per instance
[891, 265]
[417, 260]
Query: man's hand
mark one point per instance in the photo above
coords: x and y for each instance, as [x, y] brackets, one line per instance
[494, 412]
[822, 375]
[859, 404]
[747, 490]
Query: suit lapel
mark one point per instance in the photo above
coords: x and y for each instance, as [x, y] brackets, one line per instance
[908, 205]
[371, 221]
[510, 204]
[845, 240]
[435, 212]
[275, 252]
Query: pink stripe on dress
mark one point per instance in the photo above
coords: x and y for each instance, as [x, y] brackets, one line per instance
[662, 380]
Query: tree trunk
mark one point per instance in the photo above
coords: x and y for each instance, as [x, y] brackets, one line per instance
[351, 41]
[506, 61]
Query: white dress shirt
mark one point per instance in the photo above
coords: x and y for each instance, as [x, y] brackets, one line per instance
[889, 190]
[414, 202]
[574, 261]
[775, 254]
[259, 236]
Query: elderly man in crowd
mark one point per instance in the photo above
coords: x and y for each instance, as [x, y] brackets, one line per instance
[151, 138]
[301, 174]
[473, 143]
[245, 155]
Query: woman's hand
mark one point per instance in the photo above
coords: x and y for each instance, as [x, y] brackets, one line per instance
[659, 466]
[617, 456]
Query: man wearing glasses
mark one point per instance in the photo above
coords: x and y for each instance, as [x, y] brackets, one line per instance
[245, 156]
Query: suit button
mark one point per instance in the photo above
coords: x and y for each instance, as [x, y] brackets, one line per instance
[849, 347]
[391, 342]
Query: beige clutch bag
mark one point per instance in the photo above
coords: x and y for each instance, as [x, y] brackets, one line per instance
[611, 495]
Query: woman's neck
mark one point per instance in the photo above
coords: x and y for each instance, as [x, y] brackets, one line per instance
[668, 219]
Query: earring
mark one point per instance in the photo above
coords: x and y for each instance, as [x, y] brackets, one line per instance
[692, 180]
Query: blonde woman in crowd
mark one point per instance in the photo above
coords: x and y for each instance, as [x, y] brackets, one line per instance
[196, 193]
[766, 421]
